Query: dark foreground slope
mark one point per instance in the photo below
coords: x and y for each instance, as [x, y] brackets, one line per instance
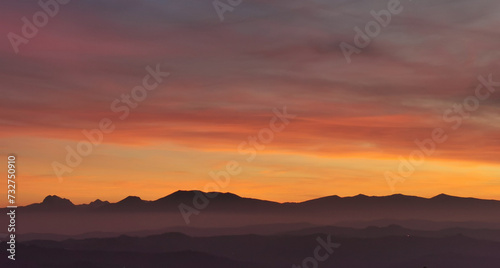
[178, 250]
[60, 216]
[38, 257]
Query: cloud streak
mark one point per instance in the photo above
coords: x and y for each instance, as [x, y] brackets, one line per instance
[226, 77]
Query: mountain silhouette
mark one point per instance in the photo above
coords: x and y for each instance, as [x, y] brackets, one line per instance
[233, 231]
[275, 251]
[233, 201]
[215, 209]
[52, 203]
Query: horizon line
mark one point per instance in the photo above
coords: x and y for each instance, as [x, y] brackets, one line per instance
[188, 191]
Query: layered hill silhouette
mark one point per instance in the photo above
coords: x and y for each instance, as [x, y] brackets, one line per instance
[287, 229]
[238, 251]
[56, 215]
[222, 201]
[231, 202]
[232, 231]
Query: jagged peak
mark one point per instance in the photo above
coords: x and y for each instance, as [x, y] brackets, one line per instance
[98, 202]
[56, 200]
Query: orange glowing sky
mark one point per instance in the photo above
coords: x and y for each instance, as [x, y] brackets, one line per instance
[353, 121]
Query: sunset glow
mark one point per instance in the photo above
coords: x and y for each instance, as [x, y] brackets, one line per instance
[354, 122]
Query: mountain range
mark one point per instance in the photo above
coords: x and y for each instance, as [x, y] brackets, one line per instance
[230, 202]
[58, 215]
[236, 232]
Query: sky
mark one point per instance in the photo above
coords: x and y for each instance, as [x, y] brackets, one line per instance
[353, 123]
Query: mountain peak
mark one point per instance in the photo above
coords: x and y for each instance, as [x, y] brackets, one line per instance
[179, 195]
[443, 196]
[131, 200]
[189, 194]
[183, 193]
[98, 203]
[54, 200]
